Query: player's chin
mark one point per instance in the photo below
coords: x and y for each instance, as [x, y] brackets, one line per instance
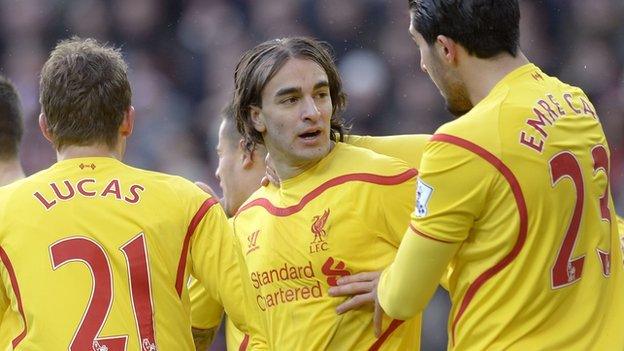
[312, 152]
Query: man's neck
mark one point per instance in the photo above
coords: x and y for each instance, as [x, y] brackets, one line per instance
[287, 169]
[73, 151]
[10, 171]
[481, 75]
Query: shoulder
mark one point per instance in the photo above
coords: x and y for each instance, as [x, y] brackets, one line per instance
[167, 182]
[353, 159]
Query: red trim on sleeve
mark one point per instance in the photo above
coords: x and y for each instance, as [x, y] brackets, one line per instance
[418, 232]
[522, 211]
[244, 343]
[9, 267]
[362, 177]
[392, 327]
[187, 239]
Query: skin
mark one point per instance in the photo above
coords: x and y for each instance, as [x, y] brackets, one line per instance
[463, 80]
[10, 171]
[239, 172]
[93, 150]
[294, 119]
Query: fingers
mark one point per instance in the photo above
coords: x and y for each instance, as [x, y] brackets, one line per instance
[360, 277]
[355, 302]
[270, 175]
[265, 181]
[378, 319]
[351, 289]
[206, 188]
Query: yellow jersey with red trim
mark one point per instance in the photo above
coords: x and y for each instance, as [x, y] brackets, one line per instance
[206, 313]
[408, 148]
[345, 215]
[95, 255]
[621, 232]
[521, 181]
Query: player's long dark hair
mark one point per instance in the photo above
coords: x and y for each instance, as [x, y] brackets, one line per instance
[257, 66]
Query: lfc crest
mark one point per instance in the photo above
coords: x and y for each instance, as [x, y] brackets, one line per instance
[318, 229]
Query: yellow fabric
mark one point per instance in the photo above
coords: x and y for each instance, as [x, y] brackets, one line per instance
[353, 226]
[437, 255]
[621, 232]
[54, 301]
[206, 314]
[464, 198]
[408, 148]
[233, 336]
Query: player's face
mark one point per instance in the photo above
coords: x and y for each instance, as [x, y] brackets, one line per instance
[295, 115]
[231, 172]
[443, 75]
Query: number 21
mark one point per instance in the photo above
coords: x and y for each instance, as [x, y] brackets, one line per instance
[91, 253]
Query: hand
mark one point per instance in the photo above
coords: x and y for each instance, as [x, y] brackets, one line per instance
[362, 286]
[378, 315]
[205, 187]
[270, 176]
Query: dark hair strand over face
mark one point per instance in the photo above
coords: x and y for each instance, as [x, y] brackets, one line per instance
[258, 66]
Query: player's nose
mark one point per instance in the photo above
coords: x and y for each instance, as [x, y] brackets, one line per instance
[310, 110]
[217, 173]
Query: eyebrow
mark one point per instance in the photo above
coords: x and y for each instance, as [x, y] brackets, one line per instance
[291, 90]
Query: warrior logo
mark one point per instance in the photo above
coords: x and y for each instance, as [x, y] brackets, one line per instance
[252, 245]
[318, 229]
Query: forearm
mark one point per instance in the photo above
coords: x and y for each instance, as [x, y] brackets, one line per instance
[406, 286]
[203, 338]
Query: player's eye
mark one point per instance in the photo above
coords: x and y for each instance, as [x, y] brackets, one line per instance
[290, 100]
[322, 95]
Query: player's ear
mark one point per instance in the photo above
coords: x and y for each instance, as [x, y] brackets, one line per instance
[246, 155]
[257, 119]
[446, 49]
[127, 125]
[43, 126]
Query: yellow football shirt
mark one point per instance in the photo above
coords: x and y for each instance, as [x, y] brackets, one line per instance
[522, 182]
[206, 314]
[621, 231]
[347, 214]
[95, 255]
[408, 148]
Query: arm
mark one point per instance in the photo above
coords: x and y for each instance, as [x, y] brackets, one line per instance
[203, 338]
[406, 286]
[408, 148]
[452, 189]
[217, 265]
[395, 204]
[205, 315]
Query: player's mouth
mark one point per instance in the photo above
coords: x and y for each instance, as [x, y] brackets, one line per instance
[310, 136]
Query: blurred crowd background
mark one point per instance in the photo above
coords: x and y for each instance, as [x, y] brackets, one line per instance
[182, 53]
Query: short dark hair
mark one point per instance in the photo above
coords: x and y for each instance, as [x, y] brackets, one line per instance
[257, 67]
[485, 28]
[230, 128]
[84, 92]
[11, 125]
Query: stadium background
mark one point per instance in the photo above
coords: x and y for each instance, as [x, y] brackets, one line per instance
[181, 55]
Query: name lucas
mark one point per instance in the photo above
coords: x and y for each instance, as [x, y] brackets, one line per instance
[88, 187]
[546, 112]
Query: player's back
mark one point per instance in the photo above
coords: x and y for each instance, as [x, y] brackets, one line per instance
[541, 267]
[94, 256]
